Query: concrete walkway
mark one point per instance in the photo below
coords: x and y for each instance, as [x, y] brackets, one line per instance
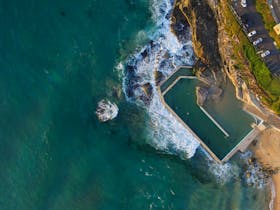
[188, 128]
[241, 146]
[214, 121]
[246, 141]
[175, 81]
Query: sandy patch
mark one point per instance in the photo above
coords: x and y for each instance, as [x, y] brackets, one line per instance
[267, 152]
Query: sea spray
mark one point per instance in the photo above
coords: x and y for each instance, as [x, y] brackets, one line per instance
[106, 110]
[273, 195]
[163, 53]
[221, 173]
[253, 173]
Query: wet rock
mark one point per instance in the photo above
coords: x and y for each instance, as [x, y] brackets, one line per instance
[202, 20]
[144, 53]
[159, 77]
[106, 110]
[248, 175]
[180, 25]
[214, 93]
[152, 43]
[130, 69]
[201, 95]
[147, 89]
[147, 92]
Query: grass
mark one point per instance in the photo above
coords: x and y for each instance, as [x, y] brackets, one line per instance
[244, 51]
[263, 8]
[270, 84]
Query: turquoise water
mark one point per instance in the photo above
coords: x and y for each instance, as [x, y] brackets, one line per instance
[180, 72]
[227, 111]
[57, 61]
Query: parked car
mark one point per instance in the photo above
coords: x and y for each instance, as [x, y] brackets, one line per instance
[252, 33]
[266, 53]
[243, 3]
[256, 42]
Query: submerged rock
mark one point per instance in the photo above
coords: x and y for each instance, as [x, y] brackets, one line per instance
[207, 93]
[201, 95]
[214, 93]
[106, 110]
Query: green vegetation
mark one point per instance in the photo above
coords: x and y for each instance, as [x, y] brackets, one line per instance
[269, 85]
[263, 8]
[267, 82]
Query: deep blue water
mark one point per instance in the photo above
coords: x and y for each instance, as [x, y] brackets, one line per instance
[57, 60]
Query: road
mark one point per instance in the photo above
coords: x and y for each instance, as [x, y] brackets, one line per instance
[253, 21]
[275, 9]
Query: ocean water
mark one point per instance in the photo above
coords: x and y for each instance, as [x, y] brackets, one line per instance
[57, 60]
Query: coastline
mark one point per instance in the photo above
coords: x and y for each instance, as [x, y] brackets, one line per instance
[267, 152]
[276, 186]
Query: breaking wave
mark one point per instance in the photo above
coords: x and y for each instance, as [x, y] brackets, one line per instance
[254, 175]
[162, 55]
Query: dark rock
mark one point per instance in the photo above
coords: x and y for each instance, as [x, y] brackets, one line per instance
[214, 93]
[202, 20]
[130, 69]
[201, 95]
[180, 25]
[159, 77]
[144, 53]
[147, 89]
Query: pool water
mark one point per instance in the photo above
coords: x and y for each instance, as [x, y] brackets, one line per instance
[227, 111]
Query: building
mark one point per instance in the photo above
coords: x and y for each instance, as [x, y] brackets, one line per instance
[277, 29]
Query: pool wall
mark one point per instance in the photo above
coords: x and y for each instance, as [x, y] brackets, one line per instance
[241, 145]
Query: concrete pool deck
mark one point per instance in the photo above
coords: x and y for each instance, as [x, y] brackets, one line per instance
[240, 146]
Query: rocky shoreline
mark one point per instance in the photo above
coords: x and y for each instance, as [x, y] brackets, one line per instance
[201, 18]
[216, 62]
[214, 48]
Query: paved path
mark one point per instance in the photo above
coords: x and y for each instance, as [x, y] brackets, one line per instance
[188, 128]
[214, 121]
[245, 142]
[175, 71]
[275, 9]
[175, 81]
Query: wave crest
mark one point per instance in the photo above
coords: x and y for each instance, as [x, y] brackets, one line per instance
[164, 53]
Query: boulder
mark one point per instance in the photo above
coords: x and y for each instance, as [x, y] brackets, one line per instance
[147, 89]
[201, 95]
[159, 77]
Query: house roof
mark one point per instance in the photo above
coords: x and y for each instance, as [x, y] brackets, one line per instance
[277, 29]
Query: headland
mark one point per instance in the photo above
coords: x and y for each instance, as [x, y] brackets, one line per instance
[224, 53]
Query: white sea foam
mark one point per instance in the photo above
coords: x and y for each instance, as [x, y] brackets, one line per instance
[273, 194]
[254, 175]
[164, 54]
[224, 173]
[106, 110]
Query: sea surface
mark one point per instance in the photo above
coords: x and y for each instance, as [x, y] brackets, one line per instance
[57, 60]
